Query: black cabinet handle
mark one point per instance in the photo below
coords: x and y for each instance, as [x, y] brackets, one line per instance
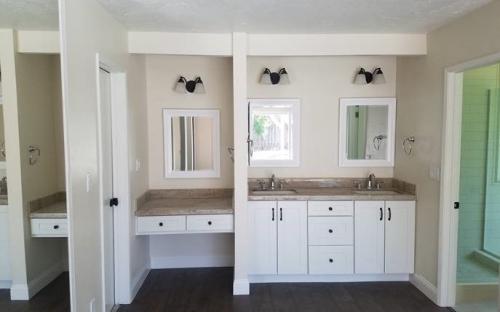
[209, 222]
[56, 227]
[160, 224]
[330, 231]
[273, 216]
[331, 260]
[381, 214]
[390, 214]
[281, 214]
[330, 208]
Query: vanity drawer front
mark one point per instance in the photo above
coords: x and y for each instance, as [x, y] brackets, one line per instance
[330, 208]
[331, 260]
[210, 223]
[161, 224]
[49, 227]
[331, 231]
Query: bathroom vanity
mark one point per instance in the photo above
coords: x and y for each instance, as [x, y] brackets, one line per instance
[49, 216]
[312, 233]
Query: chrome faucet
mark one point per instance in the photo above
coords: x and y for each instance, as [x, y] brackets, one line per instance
[273, 182]
[371, 181]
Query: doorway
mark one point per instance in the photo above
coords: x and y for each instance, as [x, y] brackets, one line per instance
[469, 258]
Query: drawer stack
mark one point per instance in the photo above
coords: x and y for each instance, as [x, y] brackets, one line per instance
[331, 237]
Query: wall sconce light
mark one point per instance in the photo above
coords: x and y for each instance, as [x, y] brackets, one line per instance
[365, 77]
[269, 77]
[189, 86]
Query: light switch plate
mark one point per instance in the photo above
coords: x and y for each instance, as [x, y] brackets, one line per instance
[137, 165]
[435, 173]
[88, 182]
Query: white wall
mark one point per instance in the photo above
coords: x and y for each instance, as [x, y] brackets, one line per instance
[87, 29]
[319, 82]
[162, 72]
[37, 87]
[420, 91]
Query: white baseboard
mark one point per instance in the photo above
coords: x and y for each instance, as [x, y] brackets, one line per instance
[426, 287]
[241, 287]
[191, 262]
[5, 284]
[347, 278]
[19, 292]
[137, 282]
[42, 280]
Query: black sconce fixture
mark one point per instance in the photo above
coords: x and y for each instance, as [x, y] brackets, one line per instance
[189, 86]
[364, 77]
[269, 77]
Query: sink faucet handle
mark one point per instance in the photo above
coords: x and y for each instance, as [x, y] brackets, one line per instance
[262, 184]
[379, 185]
[281, 184]
[357, 184]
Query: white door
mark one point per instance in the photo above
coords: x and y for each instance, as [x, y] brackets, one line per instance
[399, 236]
[369, 237]
[263, 237]
[292, 237]
[106, 148]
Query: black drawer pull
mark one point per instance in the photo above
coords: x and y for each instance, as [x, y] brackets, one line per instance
[390, 214]
[330, 231]
[56, 227]
[209, 222]
[330, 208]
[273, 216]
[281, 214]
[381, 214]
[160, 224]
[331, 260]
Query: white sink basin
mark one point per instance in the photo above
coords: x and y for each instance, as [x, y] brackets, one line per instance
[276, 192]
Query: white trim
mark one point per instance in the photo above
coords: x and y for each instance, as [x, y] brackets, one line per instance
[171, 262]
[137, 282]
[19, 292]
[44, 278]
[38, 41]
[426, 287]
[338, 278]
[450, 164]
[167, 148]
[391, 130]
[296, 135]
[241, 287]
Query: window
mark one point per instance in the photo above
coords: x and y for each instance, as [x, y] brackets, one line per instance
[274, 128]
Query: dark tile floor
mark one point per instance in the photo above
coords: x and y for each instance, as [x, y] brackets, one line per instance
[53, 298]
[210, 290]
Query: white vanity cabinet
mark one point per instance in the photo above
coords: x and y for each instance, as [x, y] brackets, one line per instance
[278, 237]
[384, 237]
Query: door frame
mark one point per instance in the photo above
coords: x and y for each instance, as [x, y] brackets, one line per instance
[450, 177]
[121, 181]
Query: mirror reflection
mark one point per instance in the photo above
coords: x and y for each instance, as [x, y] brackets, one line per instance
[367, 128]
[192, 143]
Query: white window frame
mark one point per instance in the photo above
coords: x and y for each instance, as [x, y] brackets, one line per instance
[167, 149]
[295, 111]
[345, 103]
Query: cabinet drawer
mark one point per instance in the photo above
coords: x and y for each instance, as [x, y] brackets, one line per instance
[330, 208]
[49, 227]
[162, 224]
[331, 260]
[210, 223]
[331, 231]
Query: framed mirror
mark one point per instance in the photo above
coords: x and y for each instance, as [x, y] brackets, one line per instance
[192, 143]
[367, 127]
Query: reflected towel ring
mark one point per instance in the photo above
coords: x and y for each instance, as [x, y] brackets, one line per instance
[408, 145]
[377, 141]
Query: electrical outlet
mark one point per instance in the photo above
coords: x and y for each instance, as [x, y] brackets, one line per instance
[88, 182]
[137, 165]
[435, 173]
[92, 305]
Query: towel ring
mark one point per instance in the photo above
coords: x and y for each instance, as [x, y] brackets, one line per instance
[408, 145]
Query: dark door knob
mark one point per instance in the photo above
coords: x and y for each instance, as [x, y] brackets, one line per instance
[330, 231]
[113, 202]
[160, 224]
[56, 227]
[330, 208]
[209, 222]
[331, 260]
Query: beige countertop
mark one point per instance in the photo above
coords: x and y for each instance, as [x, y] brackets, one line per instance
[54, 211]
[185, 206]
[335, 193]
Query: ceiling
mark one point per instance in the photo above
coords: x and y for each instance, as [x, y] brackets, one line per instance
[29, 14]
[289, 16]
[255, 16]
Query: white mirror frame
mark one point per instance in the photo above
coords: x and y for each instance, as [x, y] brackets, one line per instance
[167, 148]
[391, 129]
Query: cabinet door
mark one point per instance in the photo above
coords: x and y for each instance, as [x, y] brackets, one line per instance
[262, 237]
[399, 236]
[369, 237]
[292, 237]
